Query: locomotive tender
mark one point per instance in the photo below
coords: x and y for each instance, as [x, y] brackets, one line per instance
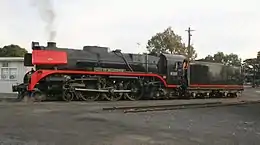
[96, 73]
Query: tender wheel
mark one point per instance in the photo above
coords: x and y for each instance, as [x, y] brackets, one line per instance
[232, 95]
[137, 90]
[213, 95]
[89, 96]
[68, 96]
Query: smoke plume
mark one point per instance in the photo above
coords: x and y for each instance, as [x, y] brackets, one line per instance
[47, 14]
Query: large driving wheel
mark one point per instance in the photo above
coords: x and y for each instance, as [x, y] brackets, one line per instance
[88, 96]
[136, 88]
[67, 95]
[111, 95]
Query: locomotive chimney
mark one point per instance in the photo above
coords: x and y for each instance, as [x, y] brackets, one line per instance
[35, 46]
[51, 44]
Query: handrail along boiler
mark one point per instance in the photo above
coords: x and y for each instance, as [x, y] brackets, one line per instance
[95, 73]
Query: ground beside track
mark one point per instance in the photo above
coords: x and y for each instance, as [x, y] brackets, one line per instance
[250, 94]
[72, 124]
[85, 123]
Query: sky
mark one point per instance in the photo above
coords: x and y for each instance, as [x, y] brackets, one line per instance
[231, 26]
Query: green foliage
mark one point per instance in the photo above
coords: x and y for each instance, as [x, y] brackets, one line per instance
[228, 59]
[233, 59]
[190, 53]
[209, 58]
[251, 69]
[12, 51]
[169, 42]
[251, 65]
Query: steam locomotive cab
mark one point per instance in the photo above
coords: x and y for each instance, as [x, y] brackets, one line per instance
[173, 67]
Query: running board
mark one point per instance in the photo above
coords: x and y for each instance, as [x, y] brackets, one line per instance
[103, 91]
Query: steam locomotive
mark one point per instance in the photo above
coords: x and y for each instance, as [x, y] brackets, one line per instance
[96, 73]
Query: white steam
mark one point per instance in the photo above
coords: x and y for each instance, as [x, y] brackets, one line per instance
[47, 14]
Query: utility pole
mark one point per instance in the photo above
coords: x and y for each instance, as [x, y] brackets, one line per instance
[138, 45]
[189, 36]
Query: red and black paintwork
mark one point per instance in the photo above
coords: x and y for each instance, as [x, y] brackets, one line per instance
[156, 77]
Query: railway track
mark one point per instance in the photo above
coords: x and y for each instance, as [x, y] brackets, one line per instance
[147, 108]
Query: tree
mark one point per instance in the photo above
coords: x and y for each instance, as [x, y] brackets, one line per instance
[169, 42]
[219, 57]
[227, 59]
[12, 51]
[233, 59]
[251, 69]
[190, 53]
[209, 58]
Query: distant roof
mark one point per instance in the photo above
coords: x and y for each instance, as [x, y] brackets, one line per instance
[174, 56]
[11, 58]
[206, 62]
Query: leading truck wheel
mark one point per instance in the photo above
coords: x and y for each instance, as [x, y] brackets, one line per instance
[38, 96]
[21, 95]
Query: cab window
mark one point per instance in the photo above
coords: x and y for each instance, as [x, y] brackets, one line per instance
[177, 66]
